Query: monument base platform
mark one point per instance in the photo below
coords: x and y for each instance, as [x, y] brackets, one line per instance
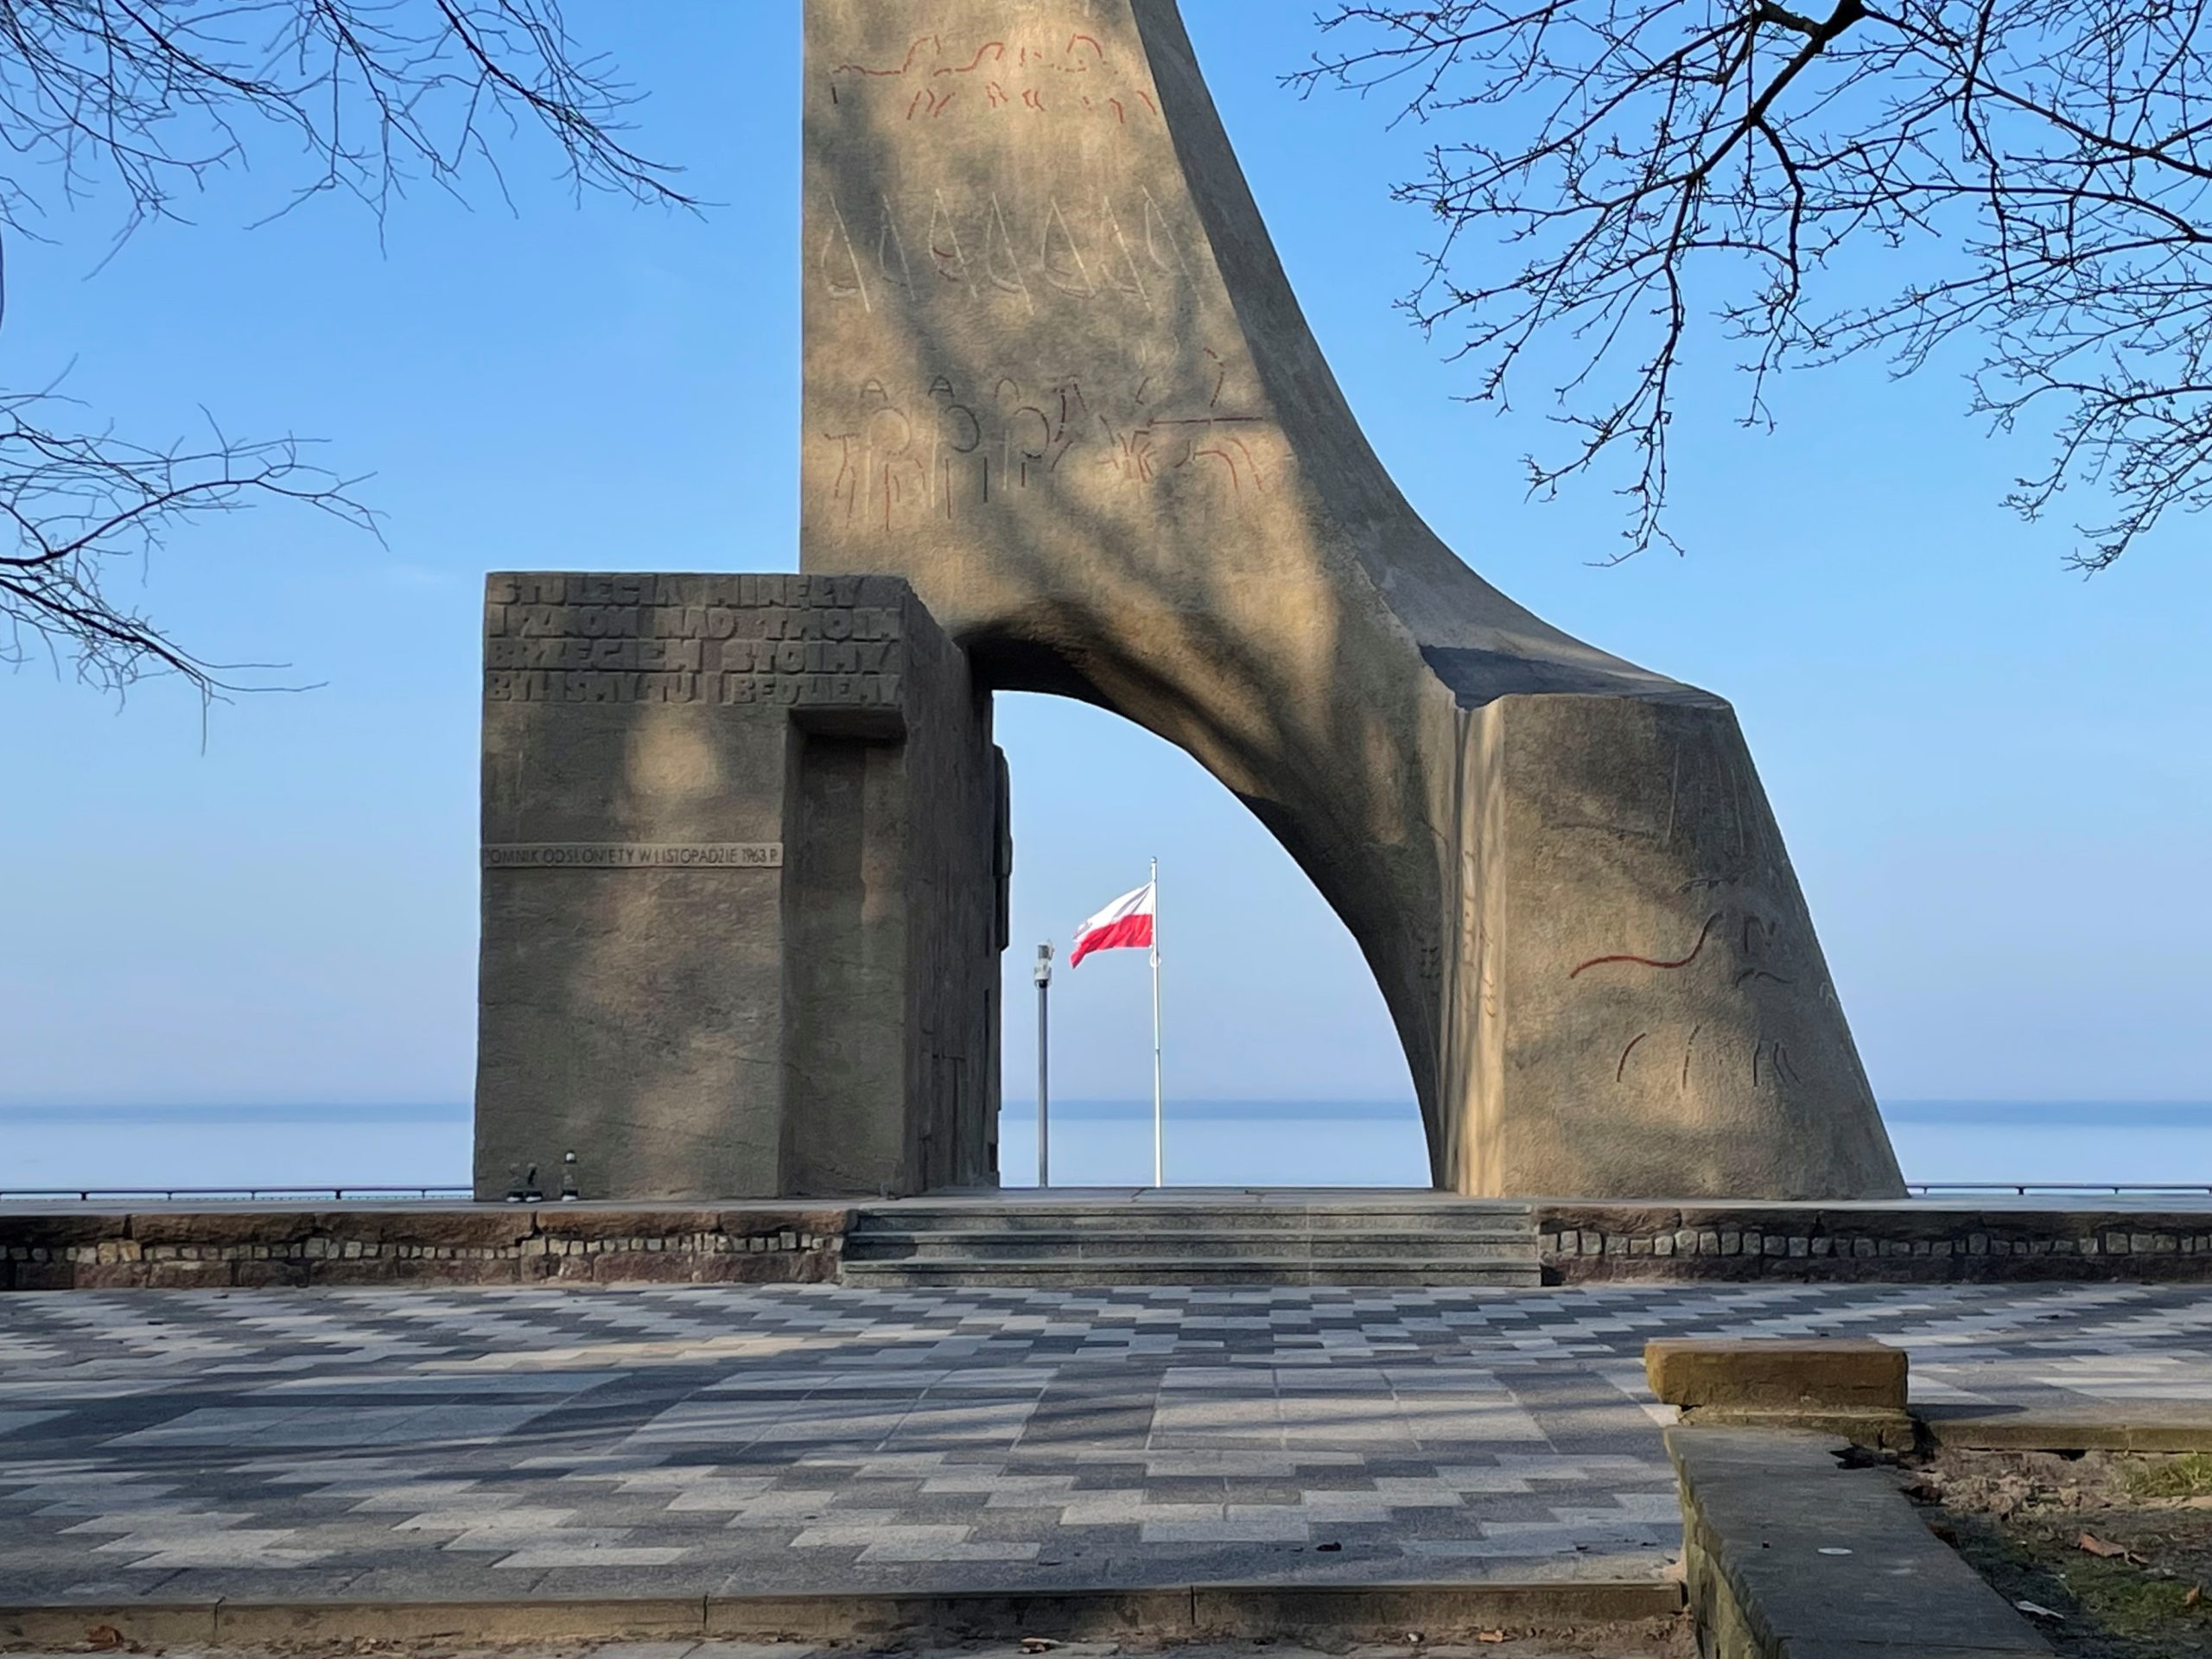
[1081, 1239]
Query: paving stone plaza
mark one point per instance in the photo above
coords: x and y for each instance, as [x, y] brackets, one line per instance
[739, 1440]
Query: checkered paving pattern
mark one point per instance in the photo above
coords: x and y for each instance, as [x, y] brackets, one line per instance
[733, 1440]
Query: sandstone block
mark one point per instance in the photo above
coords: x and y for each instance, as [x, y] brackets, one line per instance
[744, 861]
[1776, 1374]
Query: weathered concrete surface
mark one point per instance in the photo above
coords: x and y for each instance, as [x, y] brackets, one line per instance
[1789, 1555]
[744, 890]
[1773, 1374]
[1055, 376]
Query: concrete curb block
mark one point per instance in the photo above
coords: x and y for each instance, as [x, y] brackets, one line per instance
[2173, 1426]
[1351, 1610]
[1854, 1388]
[1791, 1556]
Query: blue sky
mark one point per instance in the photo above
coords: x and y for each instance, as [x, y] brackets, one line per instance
[1993, 777]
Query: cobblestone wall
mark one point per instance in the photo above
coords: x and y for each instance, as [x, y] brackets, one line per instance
[525, 1244]
[1582, 1243]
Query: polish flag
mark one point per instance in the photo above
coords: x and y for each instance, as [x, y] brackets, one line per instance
[1126, 921]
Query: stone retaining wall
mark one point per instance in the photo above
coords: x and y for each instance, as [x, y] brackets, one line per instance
[458, 1245]
[245, 1246]
[1583, 1244]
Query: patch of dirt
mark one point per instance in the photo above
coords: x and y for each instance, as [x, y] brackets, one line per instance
[2109, 1554]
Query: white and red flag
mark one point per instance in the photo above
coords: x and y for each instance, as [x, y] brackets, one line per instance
[1133, 920]
[1127, 922]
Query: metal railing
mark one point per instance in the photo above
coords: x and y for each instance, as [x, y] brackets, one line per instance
[2023, 1189]
[374, 1194]
[229, 1194]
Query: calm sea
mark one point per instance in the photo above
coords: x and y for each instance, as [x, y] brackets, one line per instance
[1105, 1143]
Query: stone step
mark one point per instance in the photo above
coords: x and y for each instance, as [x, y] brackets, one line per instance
[1027, 1243]
[1093, 1273]
[993, 1244]
[1464, 1220]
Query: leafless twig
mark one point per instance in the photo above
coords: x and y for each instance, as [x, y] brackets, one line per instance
[148, 99]
[2031, 174]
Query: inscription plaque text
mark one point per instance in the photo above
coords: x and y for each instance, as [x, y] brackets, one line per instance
[634, 855]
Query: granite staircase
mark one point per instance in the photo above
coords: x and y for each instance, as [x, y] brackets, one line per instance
[1192, 1239]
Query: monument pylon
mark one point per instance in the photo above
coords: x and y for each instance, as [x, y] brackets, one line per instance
[1055, 379]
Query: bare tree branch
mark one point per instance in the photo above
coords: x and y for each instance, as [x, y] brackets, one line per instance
[145, 101]
[2033, 172]
[71, 506]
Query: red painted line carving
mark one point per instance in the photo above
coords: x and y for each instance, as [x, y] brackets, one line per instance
[913, 52]
[996, 48]
[1704, 933]
[1236, 484]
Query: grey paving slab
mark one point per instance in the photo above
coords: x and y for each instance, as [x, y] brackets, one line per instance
[741, 1440]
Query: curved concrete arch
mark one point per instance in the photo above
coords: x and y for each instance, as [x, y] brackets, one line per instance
[1055, 378]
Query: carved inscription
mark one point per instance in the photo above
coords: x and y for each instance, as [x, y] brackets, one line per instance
[1033, 76]
[896, 454]
[634, 855]
[977, 247]
[792, 641]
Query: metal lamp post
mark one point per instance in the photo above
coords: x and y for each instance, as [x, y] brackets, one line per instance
[1044, 1131]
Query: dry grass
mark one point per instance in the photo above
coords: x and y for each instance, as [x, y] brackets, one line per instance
[2118, 1547]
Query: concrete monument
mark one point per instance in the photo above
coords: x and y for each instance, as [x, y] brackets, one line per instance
[745, 871]
[1055, 377]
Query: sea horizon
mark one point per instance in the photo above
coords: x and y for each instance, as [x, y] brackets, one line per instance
[1961, 1108]
[60, 1145]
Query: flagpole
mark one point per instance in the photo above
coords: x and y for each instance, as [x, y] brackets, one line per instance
[1159, 1160]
